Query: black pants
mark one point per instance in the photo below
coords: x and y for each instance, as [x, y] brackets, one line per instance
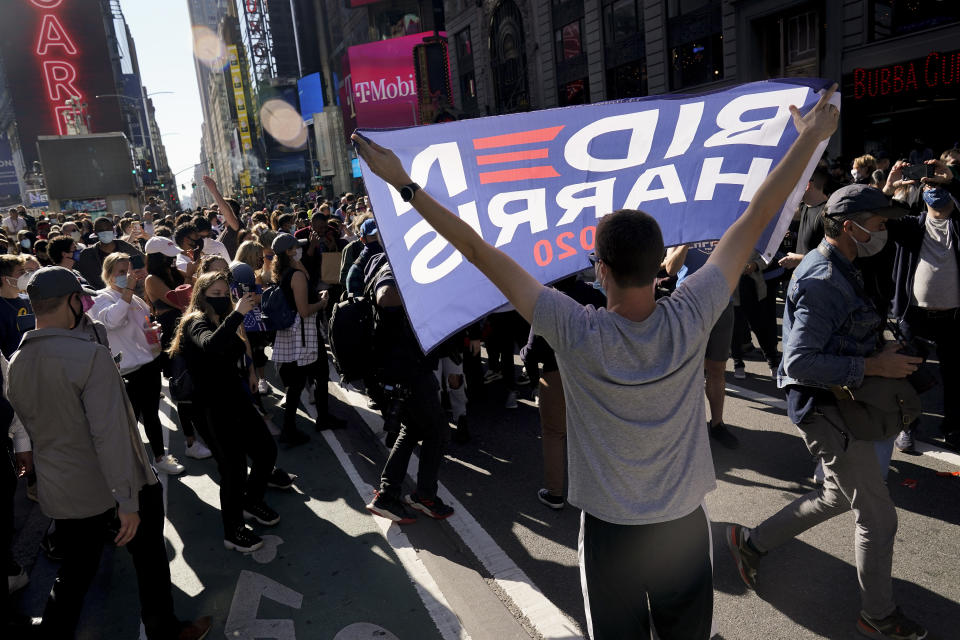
[942, 327]
[81, 542]
[622, 567]
[507, 331]
[8, 487]
[423, 419]
[759, 315]
[295, 378]
[234, 432]
[143, 388]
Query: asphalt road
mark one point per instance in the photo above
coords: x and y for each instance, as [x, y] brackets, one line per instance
[505, 566]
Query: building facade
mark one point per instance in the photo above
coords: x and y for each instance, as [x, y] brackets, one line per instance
[895, 60]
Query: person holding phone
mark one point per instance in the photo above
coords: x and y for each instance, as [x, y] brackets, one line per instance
[209, 339]
[136, 341]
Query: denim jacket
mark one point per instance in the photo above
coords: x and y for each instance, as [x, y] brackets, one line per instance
[829, 324]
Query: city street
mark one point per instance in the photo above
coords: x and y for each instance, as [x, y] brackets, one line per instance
[505, 566]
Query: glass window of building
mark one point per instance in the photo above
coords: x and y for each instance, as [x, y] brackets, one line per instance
[569, 44]
[463, 46]
[695, 42]
[575, 92]
[890, 18]
[624, 50]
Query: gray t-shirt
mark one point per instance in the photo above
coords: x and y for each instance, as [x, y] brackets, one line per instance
[637, 441]
[936, 283]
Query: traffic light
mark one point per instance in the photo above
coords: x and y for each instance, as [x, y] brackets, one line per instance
[149, 166]
[162, 185]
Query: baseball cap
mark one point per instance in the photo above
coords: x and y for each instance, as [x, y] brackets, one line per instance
[243, 273]
[368, 228]
[284, 242]
[159, 244]
[53, 282]
[853, 199]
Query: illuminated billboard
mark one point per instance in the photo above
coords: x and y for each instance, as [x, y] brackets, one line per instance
[54, 51]
[239, 99]
[380, 85]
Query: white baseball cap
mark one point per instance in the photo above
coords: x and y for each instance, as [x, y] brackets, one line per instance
[159, 244]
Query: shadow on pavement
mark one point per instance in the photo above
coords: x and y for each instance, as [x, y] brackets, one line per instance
[800, 581]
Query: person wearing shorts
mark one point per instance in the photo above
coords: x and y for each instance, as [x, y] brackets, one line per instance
[683, 261]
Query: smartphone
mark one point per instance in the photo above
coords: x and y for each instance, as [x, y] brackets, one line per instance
[136, 261]
[917, 171]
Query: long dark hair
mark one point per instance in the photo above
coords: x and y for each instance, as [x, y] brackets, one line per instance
[162, 267]
[281, 264]
[198, 307]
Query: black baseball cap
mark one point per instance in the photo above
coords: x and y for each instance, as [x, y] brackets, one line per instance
[855, 199]
[53, 282]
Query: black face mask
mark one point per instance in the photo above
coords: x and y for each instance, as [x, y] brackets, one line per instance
[221, 306]
[77, 317]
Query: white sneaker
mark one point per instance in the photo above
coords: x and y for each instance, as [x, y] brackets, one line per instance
[263, 387]
[17, 582]
[198, 451]
[740, 372]
[169, 465]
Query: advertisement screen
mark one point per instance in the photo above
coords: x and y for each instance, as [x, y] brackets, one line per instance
[52, 55]
[310, 89]
[81, 167]
[380, 82]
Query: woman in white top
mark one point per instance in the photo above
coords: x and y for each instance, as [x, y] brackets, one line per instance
[127, 319]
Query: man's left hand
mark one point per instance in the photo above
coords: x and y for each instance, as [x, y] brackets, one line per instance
[24, 463]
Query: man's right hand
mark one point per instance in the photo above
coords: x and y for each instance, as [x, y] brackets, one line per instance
[128, 528]
[790, 261]
[890, 364]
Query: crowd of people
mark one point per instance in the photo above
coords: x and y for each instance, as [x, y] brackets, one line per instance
[98, 312]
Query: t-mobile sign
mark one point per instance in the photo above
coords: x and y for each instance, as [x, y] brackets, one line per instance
[380, 82]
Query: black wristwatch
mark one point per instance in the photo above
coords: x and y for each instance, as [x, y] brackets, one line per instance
[407, 191]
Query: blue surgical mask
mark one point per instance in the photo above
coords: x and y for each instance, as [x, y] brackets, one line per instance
[25, 243]
[106, 237]
[121, 281]
[76, 255]
[938, 198]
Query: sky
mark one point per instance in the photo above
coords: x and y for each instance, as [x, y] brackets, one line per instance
[161, 31]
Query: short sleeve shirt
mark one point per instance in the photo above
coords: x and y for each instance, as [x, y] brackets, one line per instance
[637, 442]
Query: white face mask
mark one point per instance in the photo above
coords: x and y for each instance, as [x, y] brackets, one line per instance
[23, 280]
[75, 236]
[298, 255]
[855, 175]
[874, 244]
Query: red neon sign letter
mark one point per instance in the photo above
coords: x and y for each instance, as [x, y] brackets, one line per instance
[52, 34]
[60, 77]
[46, 4]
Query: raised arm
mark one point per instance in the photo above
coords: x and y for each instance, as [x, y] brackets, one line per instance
[736, 245]
[226, 210]
[520, 288]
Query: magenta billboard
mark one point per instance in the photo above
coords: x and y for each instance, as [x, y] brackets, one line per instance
[380, 87]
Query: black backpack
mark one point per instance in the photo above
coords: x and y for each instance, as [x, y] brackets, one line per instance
[181, 383]
[275, 307]
[351, 332]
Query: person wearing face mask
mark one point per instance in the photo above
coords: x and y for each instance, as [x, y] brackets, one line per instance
[926, 301]
[90, 261]
[25, 240]
[92, 471]
[209, 340]
[63, 252]
[16, 314]
[296, 350]
[127, 319]
[833, 337]
[863, 168]
[211, 246]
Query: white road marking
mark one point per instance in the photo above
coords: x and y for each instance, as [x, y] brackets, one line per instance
[925, 448]
[242, 622]
[268, 551]
[542, 614]
[433, 599]
[364, 631]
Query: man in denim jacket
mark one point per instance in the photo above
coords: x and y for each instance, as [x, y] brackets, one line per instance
[832, 336]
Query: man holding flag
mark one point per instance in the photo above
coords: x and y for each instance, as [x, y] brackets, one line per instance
[639, 455]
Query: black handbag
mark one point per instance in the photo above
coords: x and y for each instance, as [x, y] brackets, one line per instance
[181, 383]
[879, 408]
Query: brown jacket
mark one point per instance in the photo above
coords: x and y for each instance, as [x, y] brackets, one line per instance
[87, 451]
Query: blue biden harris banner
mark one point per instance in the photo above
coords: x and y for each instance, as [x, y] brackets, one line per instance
[535, 184]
